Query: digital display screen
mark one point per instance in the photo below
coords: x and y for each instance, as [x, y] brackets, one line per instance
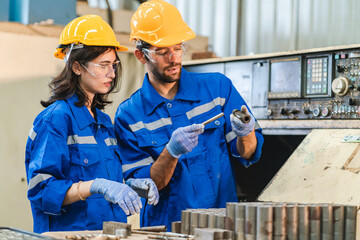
[285, 78]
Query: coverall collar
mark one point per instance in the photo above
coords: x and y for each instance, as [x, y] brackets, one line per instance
[188, 91]
[83, 117]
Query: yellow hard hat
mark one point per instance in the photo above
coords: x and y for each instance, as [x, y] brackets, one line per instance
[160, 24]
[90, 30]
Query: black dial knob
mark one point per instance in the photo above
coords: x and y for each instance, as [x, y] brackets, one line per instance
[340, 69]
[352, 101]
[284, 111]
[306, 110]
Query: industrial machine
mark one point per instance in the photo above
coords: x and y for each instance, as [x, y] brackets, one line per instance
[291, 94]
[314, 84]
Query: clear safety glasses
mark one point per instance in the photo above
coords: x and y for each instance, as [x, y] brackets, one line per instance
[165, 54]
[101, 70]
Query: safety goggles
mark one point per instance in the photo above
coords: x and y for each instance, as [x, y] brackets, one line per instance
[101, 70]
[165, 54]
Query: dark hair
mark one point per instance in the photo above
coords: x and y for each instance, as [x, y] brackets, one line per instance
[66, 84]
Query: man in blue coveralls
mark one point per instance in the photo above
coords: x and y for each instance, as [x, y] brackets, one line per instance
[161, 128]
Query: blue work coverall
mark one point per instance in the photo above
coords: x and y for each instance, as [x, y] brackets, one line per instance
[203, 178]
[66, 145]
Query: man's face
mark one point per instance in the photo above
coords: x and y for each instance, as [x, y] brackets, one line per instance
[165, 62]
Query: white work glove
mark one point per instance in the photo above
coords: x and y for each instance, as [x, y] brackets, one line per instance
[184, 139]
[146, 188]
[242, 129]
[117, 193]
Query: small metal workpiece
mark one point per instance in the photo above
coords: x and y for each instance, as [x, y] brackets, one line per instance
[242, 115]
[213, 118]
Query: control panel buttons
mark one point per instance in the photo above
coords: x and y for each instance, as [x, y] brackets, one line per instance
[316, 112]
[340, 86]
[325, 112]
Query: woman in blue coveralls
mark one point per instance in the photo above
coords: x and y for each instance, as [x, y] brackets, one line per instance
[72, 158]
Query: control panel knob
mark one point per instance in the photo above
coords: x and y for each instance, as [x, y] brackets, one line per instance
[306, 110]
[352, 101]
[295, 111]
[340, 69]
[284, 111]
[340, 86]
[269, 112]
[316, 112]
[325, 112]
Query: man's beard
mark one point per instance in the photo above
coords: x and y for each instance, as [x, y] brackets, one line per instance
[161, 76]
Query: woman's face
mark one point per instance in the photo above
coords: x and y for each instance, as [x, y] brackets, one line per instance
[96, 76]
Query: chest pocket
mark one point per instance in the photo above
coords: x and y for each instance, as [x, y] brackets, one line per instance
[84, 162]
[153, 139]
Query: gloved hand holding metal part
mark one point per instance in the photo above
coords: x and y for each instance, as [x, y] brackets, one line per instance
[240, 128]
[184, 139]
[117, 193]
[145, 188]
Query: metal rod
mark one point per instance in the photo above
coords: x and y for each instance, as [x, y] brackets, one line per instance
[213, 118]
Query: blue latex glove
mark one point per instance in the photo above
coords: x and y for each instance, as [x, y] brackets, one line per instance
[117, 193]
[184, 139]
[242, 129]
[146, 188]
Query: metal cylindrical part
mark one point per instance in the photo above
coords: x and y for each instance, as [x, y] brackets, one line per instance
[315, 222]
[245, 118]
[185, 222]
[230, 216]
[212, 221]
[327, 230]
[339, 221]
[304, 228]
[350, 222]
[203, 220]
[279, 231]
[292, 222]
[250, 222]
[264, 222]
[220, 221]
[194, 221]
[176, 227]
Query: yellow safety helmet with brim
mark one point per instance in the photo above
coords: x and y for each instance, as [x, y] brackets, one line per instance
[160, 24]
[89, 30]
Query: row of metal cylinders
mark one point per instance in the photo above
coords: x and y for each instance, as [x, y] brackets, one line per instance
[278, 221]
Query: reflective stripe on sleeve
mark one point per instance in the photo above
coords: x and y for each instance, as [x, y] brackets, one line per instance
[111, 141]
[152, 125]
[73, 139]
[144, 162]
[38, 179]
[32, 134]
[205, 107]
[230, 136]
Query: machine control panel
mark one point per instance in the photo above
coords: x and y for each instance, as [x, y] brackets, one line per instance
[307, 85]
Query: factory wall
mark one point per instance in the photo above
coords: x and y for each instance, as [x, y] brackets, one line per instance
[283, 25]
